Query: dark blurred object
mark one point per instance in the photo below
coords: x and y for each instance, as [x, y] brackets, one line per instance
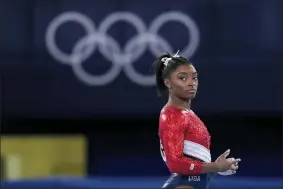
[131, 145]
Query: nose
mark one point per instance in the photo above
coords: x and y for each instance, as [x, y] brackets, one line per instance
[191, 83]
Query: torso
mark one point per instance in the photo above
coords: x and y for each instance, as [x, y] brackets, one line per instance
[195, 130]
[196, 144]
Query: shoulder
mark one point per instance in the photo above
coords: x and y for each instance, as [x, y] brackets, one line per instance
[173, 116]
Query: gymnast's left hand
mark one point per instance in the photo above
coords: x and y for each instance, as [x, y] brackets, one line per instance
[233, 169]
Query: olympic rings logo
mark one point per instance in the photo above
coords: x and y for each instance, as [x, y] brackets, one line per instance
[122, 59]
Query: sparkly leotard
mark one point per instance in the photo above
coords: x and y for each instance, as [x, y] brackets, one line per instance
[184, 146]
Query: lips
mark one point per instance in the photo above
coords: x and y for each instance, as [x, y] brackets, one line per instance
[192, 90]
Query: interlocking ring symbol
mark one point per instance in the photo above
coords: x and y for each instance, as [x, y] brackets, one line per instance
[121, 58]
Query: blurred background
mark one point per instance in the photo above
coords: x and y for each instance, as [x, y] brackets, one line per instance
[78, 103]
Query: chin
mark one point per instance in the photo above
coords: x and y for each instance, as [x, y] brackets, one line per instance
[190, 97]
[187, 98]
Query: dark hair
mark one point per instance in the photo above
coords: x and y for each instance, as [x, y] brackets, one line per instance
[162, 72]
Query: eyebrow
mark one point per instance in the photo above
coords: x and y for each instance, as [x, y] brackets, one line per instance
[194, 73]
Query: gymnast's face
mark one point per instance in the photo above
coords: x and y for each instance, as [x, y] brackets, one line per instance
[183, 82]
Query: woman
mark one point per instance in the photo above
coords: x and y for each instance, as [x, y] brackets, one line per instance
[184, 139]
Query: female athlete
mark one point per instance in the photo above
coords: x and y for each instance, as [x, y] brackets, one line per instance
[184, 139]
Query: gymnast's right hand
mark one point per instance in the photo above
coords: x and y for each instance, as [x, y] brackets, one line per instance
[225, 164]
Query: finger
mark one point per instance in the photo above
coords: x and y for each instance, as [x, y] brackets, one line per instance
[225, 154]
[236, 161]
[231, 159]
[234, 167]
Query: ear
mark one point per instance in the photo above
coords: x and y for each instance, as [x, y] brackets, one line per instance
[167, 83]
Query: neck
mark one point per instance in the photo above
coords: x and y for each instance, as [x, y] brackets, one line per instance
[180, 103]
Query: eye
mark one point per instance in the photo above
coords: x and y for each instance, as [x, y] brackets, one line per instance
[183, 78]
[195, 78]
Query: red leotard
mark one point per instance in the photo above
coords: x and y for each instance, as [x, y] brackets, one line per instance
[176, 128]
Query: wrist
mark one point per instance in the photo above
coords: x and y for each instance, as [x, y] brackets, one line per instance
[217, 167]
[212, 167]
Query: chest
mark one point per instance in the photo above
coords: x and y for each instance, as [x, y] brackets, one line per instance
[196, 131]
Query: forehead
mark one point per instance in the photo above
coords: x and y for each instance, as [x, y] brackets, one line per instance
[186, 68]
